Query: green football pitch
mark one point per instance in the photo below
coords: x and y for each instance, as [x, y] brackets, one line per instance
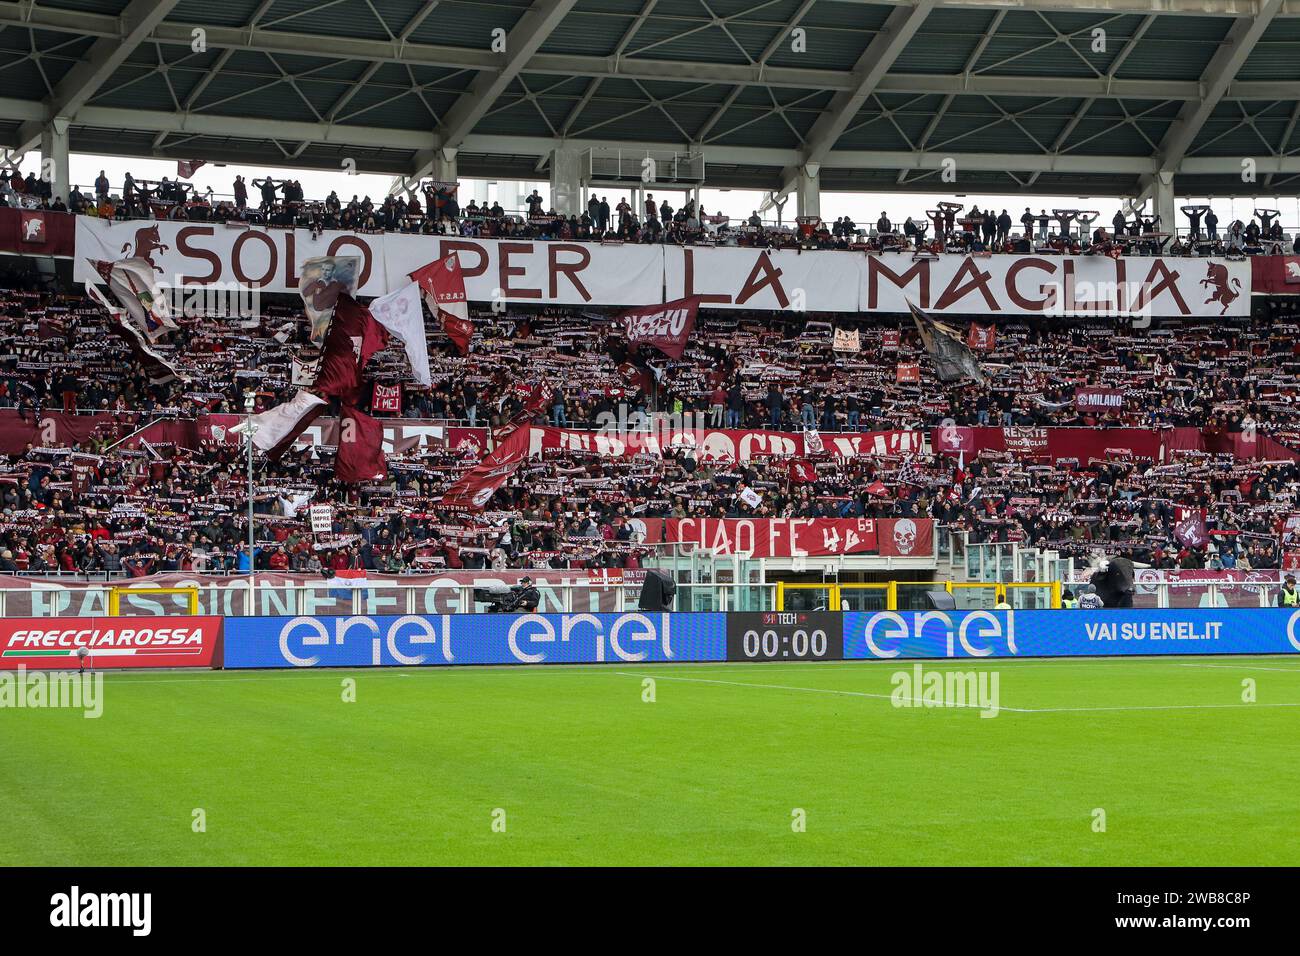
[1089, 762]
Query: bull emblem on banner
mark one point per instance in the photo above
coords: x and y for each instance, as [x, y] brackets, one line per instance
[147, 242]
[1216, 276]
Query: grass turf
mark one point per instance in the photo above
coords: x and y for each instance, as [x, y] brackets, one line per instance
[587, 773]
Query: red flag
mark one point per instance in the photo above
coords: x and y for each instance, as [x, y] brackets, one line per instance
[539, 399]
[802, 472]
[474, 488]
[665, 327]
[878, 489]
[361, 448]
[443, 285]
[982, 337]
[185, 168]
[460, 331]
[352, 338]
[889, 340]
[444, 290]
[387, 398]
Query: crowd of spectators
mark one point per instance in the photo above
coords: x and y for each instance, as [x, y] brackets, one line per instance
[110, 502]
[434, 208]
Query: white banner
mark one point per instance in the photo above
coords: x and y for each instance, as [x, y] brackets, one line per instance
[1056, 285]
[536, 270]
[525, 270]
[584, 273]
[786, 280]
[322, 519]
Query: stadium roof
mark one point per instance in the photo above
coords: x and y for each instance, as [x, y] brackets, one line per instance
[1018, 92]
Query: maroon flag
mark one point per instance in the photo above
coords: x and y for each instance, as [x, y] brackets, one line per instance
[665, 327]
[387, 398]
[361, 448]
[443, 285]
[889, 340]
[474, 488]
[185, 168]
[33, 228]
[353, 337]
[1189, 527]
[802, 472]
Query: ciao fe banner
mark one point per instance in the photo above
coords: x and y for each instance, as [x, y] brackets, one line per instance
[635, 637]
[557, 272]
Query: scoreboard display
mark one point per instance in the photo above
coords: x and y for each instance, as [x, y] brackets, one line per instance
[785, 636]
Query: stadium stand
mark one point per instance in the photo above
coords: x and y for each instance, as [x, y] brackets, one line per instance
[141, 478]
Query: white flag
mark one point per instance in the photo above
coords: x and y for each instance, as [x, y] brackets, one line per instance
[400, 313]
[279, 427]
[750, 497]
[847, 341]
[132, 281]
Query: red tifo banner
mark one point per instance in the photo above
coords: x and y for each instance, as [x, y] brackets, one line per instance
[54, 643]
[728, 445]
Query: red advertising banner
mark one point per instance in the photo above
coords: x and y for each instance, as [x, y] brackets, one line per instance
[1099, 399]
[805, 537]
[55, 643]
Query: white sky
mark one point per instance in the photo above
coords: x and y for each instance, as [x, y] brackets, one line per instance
[864, 208]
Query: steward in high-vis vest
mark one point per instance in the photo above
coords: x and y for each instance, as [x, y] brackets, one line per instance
[1288, 596]
[1067, 600]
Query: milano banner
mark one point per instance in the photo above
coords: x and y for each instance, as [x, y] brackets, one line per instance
[55, 643]
[584, 273]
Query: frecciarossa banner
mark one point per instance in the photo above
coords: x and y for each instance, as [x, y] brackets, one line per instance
[584, 273]
[799, 537]
[56, 643]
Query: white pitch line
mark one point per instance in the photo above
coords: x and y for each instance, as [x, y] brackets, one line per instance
[918, 700]
[1086, 710]
[808, 690]
[1240, 667]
